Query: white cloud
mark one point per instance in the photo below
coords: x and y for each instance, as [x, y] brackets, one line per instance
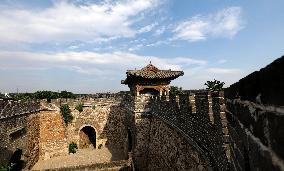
[224, 71]
[105, 67]
[160, 31]
[147, 28]
[65, 21]
[225, 23]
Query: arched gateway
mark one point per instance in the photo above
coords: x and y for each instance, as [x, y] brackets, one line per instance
[87, 136]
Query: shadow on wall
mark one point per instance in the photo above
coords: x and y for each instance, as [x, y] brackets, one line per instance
[15, 163]
[115, 131]
[4, 153]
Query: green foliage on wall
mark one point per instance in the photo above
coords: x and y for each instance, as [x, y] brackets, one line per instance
[66, 113]
[214, 85]
[174, 91]
[79, 107]
[8, 167]
[72, 147]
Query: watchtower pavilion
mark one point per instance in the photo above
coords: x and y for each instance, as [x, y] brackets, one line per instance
[150, 80]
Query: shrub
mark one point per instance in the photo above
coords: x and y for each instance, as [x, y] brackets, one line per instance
[72, 147]
[174, 91]
[214, 85]
[10, 166]
[100, 146]
[94, 106]
[79, 107]
[66, 113]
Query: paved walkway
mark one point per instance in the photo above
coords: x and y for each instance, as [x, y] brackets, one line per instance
[81, 157]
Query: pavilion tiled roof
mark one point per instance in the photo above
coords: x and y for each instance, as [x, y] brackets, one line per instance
[152, 72]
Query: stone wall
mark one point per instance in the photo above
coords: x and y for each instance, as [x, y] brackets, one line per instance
[199, 118]
[10, 108]
[33, 129]
[52, 138]
[14, 127]
[256, 119]
[256, 135]
[110, 124]
[169, 150]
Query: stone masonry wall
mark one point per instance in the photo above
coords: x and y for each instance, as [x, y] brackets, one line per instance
[192, 117]
[256, 119]
[52, 135]
[256, 135]
[109, 121]
[199, 118]
[33, 129]
[168, 150]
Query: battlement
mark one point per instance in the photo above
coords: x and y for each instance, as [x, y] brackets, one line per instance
[10, 108]
[198, 116]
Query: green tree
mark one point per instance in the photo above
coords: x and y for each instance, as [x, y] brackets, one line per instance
[214, 85]
[79, 107]
[66, 113]
[66, 94]
[174, 91]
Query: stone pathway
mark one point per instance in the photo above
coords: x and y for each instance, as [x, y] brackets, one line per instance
[81, 157]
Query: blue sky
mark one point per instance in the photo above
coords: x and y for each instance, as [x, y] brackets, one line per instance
[86, 46]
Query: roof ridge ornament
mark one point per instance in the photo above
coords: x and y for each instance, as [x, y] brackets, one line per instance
[150, 68]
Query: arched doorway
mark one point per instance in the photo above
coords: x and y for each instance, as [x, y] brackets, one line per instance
[149, 91]
[87, 137]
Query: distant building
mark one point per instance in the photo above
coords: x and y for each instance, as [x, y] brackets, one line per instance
[150, 80]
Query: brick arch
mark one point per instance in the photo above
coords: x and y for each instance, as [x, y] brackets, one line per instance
[87, 136]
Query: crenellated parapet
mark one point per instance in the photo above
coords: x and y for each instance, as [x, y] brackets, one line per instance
[10, 108]
[200, 118]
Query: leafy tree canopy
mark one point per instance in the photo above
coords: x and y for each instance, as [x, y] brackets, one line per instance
[214, 85]
[174, 91]
[45, 95]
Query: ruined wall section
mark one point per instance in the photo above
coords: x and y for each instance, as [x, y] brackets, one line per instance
[33, 131]
[52, 140]
[13, 126]
[109, 120]
[10, 108]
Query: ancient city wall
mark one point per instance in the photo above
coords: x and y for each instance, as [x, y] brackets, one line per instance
[52, 138]
[198, 118]
[256, 119]
[13, 126]
[256, 135]
[33, 130]
[109, 122]
[169, 150]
